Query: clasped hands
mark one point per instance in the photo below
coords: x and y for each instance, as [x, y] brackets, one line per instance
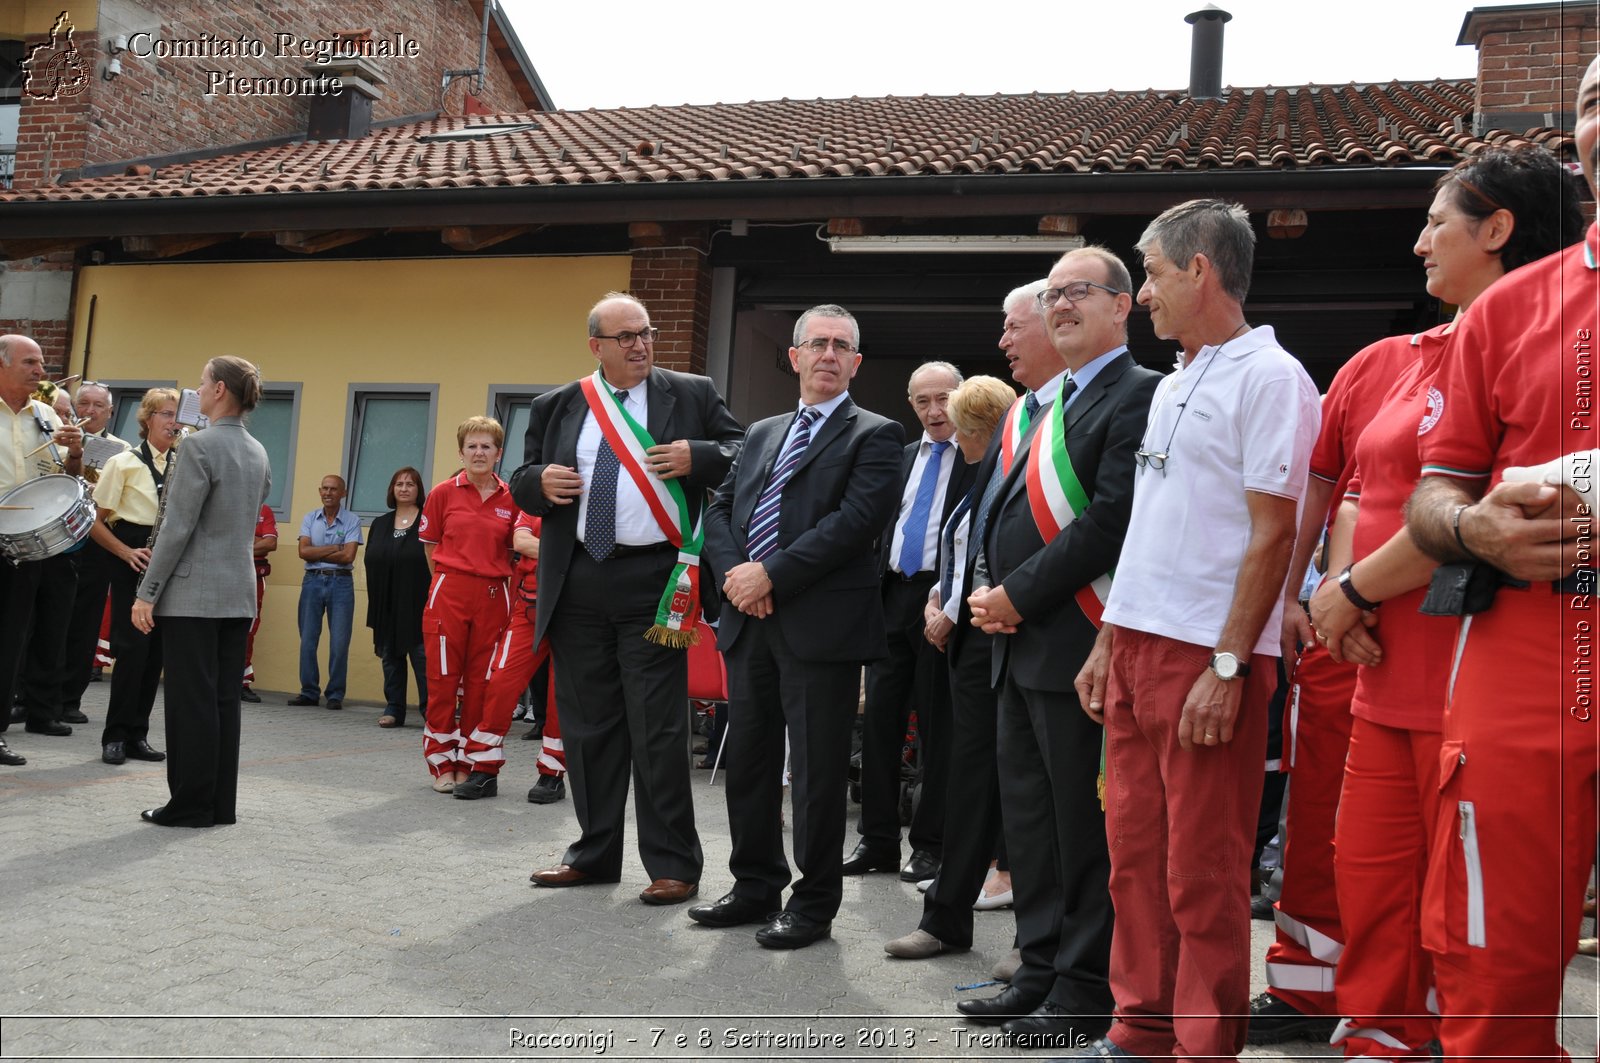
[749, 589]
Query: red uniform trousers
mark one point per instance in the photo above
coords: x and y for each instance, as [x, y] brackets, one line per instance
[1387, 811]
[1515, 838]
[515, 660]
[255, 625]
[1302, 958]
[102, 647]
[1181, 829]
[461, 624]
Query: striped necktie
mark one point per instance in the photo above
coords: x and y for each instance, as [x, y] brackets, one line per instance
[600, 519]
[763, 537]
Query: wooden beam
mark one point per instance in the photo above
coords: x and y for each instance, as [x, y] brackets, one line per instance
[1286, 224]
[1061, 224]
[478, 237]
[310, 242]
[12, 250]
[168, 246]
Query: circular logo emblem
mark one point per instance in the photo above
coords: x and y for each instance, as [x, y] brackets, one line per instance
[1435, 411]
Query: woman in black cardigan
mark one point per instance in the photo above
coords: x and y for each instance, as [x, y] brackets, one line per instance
[397, 587]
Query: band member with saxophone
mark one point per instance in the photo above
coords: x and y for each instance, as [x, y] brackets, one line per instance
[33, 442]
[200, 588]
[127, 497]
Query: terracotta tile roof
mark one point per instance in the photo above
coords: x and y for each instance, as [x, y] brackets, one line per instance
[1400, 124]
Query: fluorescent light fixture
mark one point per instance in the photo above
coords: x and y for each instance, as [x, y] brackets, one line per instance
[954, 245]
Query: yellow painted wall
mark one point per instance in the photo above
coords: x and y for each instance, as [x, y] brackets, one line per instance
[461, 324]
[20, 18]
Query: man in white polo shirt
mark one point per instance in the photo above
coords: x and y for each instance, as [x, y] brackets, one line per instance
[1183, 668]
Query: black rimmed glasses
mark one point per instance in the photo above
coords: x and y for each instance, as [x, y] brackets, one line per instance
[1076, 292]
[628, 339]
[821, 346]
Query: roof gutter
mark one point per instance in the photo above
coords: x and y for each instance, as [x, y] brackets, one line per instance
[930, 196]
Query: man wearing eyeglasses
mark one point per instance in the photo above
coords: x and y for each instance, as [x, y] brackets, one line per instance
[1053, 535]
[1185, 663]
[791, 533]
[618, 465]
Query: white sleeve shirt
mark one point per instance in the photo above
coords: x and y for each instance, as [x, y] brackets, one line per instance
[930, 538]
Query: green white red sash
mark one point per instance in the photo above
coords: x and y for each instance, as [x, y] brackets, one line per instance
[1012, 429]
[679, 610]
[1056, 498]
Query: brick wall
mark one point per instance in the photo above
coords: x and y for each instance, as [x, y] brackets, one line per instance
[1531, 60]
[671, 277]
[159, 105]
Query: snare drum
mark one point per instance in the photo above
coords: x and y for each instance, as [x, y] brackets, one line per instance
[58, 517]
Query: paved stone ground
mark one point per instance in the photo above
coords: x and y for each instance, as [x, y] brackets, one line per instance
[354, 913]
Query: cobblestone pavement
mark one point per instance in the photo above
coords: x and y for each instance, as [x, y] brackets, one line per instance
[354, 913]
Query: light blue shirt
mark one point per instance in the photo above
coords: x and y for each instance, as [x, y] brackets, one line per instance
[1086, 375]
[344, 528]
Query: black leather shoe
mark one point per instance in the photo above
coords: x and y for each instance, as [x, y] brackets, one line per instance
[866, 859]
[60, 730]
[1273, 1021]
[1053, 1026]
[791, 930]
[335, 704]
[548, 790]
[113, 753]
[533, 734]
[9, 758]
[729, 910]
[922, 865]
[301, 699]
[1009, 1003]
[250, 695]
[141, 750]
[73, 716]
[478, 784]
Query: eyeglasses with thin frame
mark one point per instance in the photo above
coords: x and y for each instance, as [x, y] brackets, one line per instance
[628, 339]
[1075, 292]
[821, 346]
[1157, 459]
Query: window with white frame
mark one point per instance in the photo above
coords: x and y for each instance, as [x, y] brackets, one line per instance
[391, 426]
[275, 422]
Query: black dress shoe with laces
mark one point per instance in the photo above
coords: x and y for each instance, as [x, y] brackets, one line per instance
[1009, 1003]
[478, 784]
[730, 910]
[141, 750]
[114, 753]
[249, 695]
[548, 790]
[60, 730]
[865, 858]
[9, 758]
[1052, 1026]
[1273, 1021]
[791, 930]
[922, 865]
[74, 716]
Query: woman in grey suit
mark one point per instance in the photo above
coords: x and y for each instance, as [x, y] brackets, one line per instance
[200, 586]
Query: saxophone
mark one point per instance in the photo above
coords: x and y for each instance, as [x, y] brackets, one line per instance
[175, 453]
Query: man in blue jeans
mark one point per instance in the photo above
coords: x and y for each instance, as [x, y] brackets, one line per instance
[328, 541]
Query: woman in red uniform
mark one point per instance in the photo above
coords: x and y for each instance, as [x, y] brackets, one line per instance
[466, 531]
[1492, 213]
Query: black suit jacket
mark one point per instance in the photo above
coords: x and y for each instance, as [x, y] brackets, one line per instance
[1103, 428]
[960, 479]
[681, 406]
[987, 469]
[825, 585]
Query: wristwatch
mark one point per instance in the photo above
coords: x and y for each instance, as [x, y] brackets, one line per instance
[1227, 667]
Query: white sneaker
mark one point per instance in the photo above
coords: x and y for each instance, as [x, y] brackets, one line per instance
[922, 887]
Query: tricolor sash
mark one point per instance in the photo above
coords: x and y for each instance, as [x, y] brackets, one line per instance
[680, 601]
[1012, 429]
[1055, 498]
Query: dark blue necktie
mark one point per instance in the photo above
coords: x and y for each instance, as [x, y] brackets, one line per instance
[600, 521]
[1030, 406]
[915, 532]
[763, 537]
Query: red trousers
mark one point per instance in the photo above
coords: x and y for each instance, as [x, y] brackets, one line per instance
[1302, 958]
[515, 660]
[1515, 838]
[461, 624]
[1386, 818]
[255, 625]
[1181, 829]
[102, 647]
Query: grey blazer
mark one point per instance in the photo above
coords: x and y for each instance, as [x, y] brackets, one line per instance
[203, 563]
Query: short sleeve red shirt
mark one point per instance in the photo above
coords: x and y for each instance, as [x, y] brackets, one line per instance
[266, 523]
[528, 567]
[1354, 396]
[469, 534]
[1408, 688]
[1518, 385]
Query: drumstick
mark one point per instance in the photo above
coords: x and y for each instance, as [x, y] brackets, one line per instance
[65, 380]
[76, 423]
[16, 507]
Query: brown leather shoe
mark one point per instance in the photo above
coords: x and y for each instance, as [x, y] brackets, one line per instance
[561, 875]
[669, 891]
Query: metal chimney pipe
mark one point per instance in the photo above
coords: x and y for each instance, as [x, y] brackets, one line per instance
[1205, 53]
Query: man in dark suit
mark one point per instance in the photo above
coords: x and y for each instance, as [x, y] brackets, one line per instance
[608, 549]
[933, 478]
[792, 531]
[1045, 566]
